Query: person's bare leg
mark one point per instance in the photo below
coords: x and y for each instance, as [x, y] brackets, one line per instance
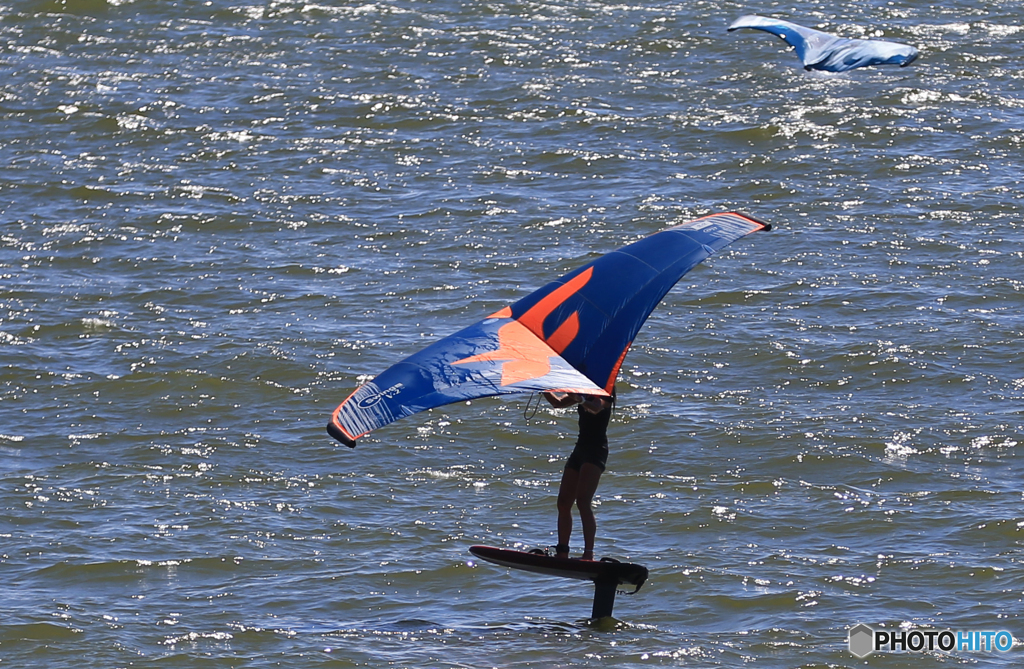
[586, 485]
[566, 498]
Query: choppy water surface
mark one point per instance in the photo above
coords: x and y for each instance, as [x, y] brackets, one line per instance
[217, 218]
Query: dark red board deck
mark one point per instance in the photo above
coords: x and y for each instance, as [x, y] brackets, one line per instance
[604, 571]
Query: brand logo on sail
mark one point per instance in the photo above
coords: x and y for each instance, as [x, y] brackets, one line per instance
[376, 397]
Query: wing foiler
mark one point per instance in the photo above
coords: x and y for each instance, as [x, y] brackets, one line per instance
[819, 50]
[570, 336]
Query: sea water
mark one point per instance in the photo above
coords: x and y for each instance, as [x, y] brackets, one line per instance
[218, 218]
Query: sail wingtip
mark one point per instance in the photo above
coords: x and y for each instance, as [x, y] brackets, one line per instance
[339, 434]
[765, 225]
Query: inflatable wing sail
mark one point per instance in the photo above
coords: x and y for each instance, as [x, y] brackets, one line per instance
[569, 336]
[821, 51]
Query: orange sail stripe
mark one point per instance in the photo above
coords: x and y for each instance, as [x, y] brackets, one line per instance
[610, 384]
[521, 344]
[535, 316]
[525, 355]
[565, 333]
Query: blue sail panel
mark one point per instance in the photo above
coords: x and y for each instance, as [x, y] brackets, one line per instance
[819, 50]
[625, 287]
[480, 361]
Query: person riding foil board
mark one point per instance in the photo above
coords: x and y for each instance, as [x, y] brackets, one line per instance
[583, 469]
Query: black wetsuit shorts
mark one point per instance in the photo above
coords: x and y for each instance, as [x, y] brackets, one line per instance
[592, 444]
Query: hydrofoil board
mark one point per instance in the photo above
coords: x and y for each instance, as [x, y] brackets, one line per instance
[605, 571]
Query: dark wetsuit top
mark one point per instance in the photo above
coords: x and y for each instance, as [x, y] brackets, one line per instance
[592, 444]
